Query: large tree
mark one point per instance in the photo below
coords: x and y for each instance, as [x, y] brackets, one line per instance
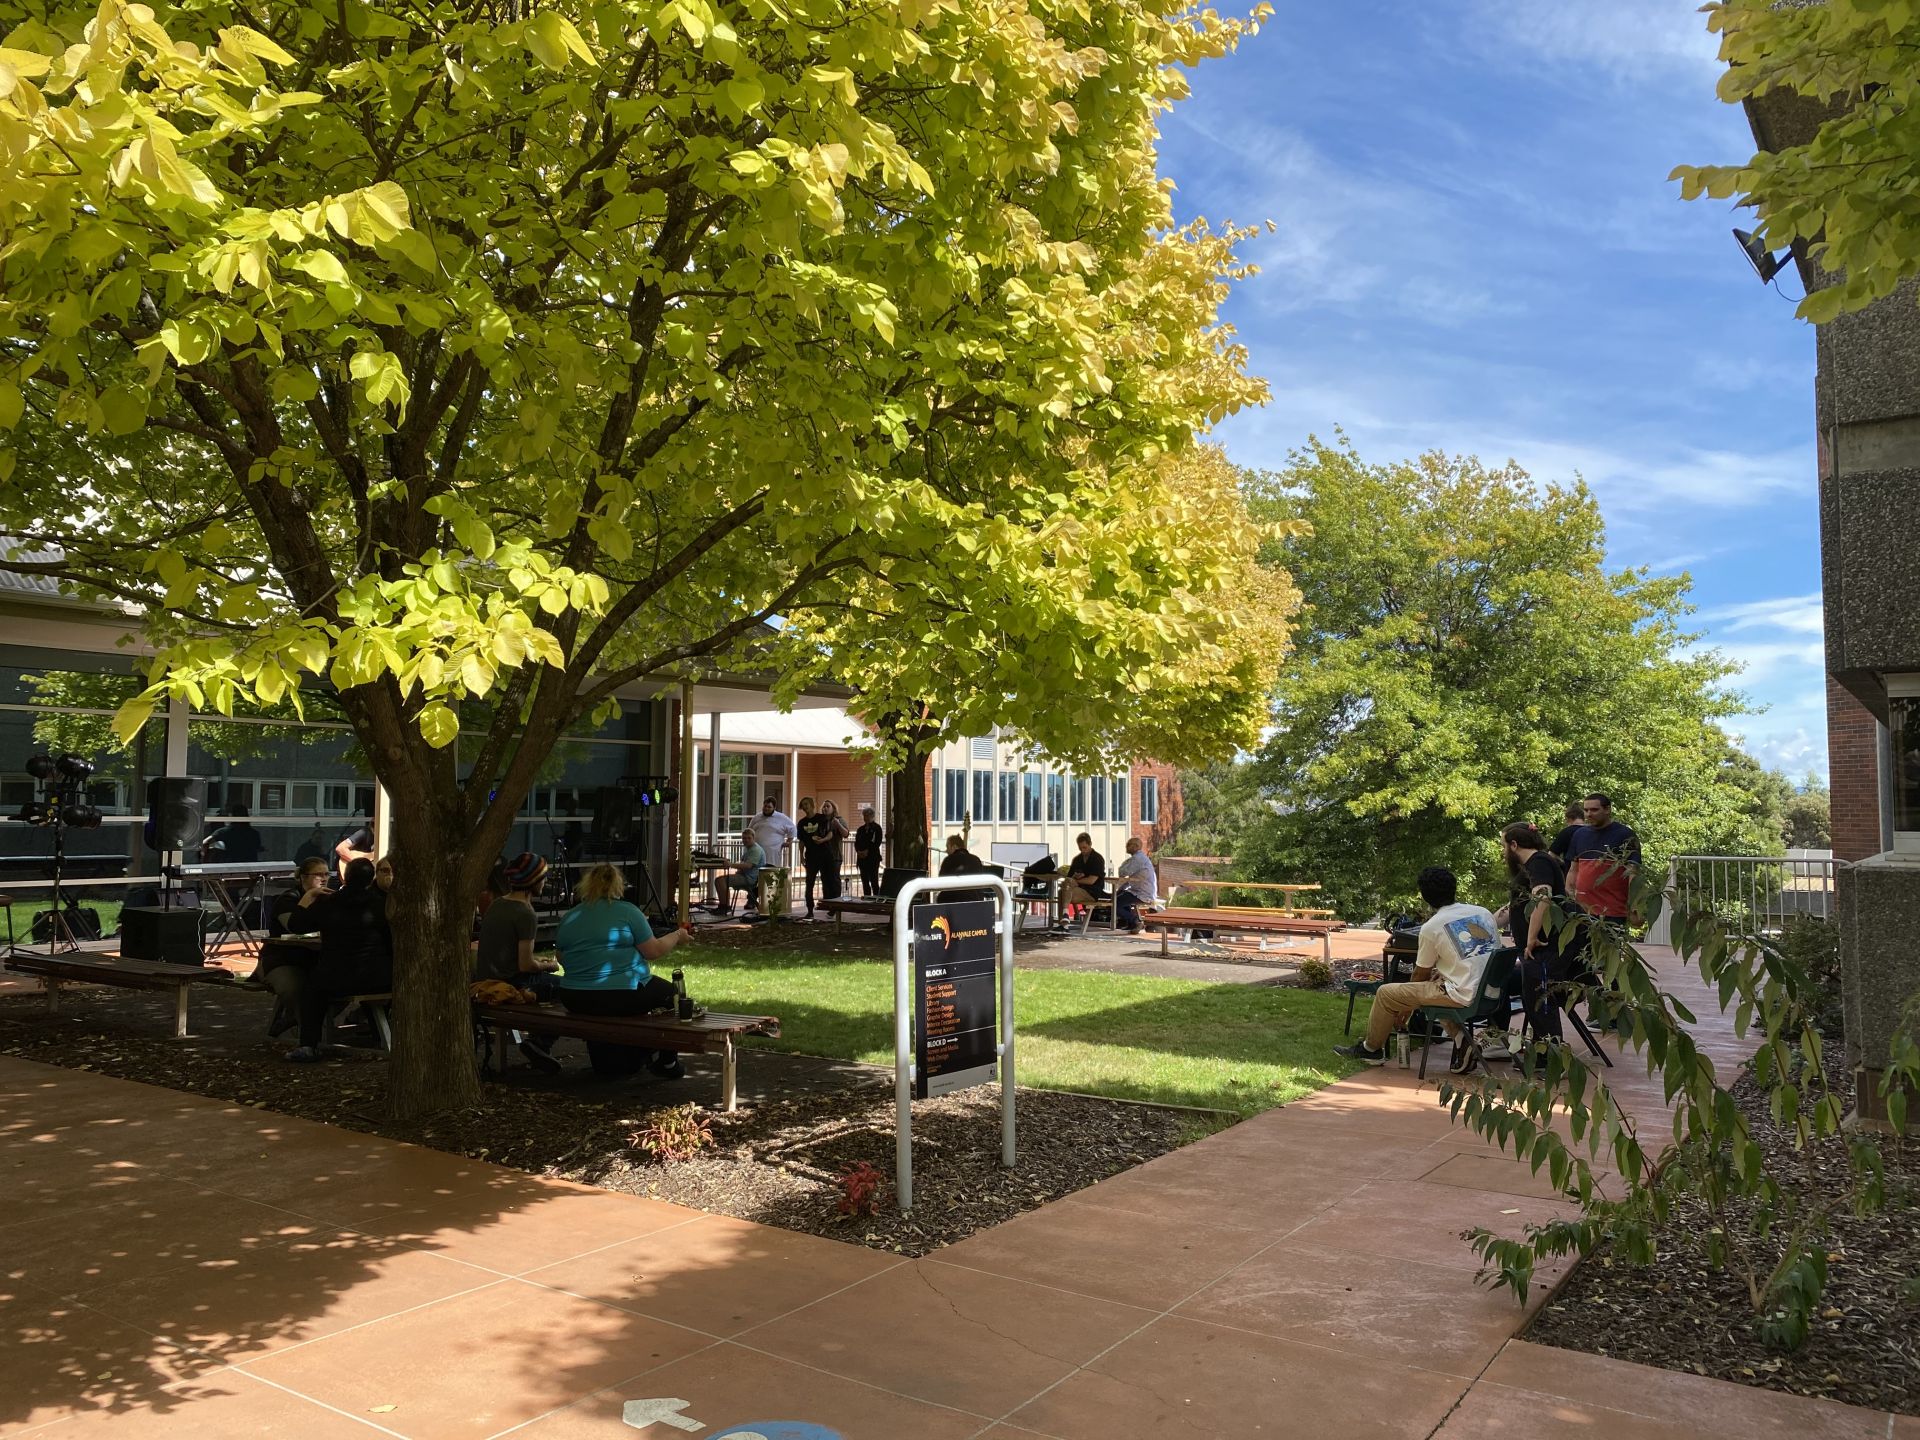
[1850, 197]
[484, 358]
[1465, 658]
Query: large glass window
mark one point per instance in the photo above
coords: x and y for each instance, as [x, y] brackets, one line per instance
[1077, 800]
[1056, 799]
[1097, 789]
[1030, 797]
[1120, 801]
[1903, 732]
[956, 807]
[1010, 797]
[1149, 799]
[983, 797]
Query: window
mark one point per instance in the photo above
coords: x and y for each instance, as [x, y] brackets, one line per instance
[1149, 799]
[1009, 797]
[956, 796]
[1030, 797]
[1077, 800]
[273, 797]
[306, 798]
[1120, 801]
[983, 797]
[1099, 789]
[1903, 736]
[337, 798]
[1056, 799]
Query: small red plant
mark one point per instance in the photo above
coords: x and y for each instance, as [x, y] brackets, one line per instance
[860, 1190]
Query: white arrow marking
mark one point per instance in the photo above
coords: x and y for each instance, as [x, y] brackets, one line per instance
[642, 1413]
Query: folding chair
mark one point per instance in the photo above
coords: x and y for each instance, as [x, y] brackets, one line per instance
[1498, 984]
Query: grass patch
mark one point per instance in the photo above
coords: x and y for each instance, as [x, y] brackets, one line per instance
[1240, 1048]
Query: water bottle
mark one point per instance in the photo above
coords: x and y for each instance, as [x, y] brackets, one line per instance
[682, 1006]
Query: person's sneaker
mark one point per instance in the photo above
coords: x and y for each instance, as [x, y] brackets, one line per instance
[539, 1057]
[668, 1069]
[1359, 1051]
[1466, 1058]
[304, 1055]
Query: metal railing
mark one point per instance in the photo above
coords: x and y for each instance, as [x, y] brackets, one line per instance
[1762, 890]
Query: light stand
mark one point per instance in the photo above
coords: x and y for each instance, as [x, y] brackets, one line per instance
[61, 806]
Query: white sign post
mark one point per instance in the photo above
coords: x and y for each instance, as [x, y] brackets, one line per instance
[905, 998]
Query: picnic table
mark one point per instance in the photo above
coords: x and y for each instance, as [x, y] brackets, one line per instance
[1258, 922]
[56, 970]
[1287, 892]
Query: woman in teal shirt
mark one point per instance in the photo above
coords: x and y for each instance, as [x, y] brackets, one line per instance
[605, 947]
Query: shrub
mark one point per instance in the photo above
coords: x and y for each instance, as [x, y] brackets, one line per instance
[673, 1135]
[1315, 973]
[861, 1189]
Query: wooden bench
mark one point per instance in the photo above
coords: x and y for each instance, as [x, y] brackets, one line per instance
[1258, 922]
[55, 970]
[711, 1034]
[857, 905]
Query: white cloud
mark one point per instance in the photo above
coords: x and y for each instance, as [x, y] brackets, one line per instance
[1630, 39]
[1798, 614]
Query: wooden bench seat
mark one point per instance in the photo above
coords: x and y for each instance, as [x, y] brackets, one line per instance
[117, 970]
[857, 905]
[712, 1034]
[1256, 922]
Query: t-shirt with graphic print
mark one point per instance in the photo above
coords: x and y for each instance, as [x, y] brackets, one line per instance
[1455, 944]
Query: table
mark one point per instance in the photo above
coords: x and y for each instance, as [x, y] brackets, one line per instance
[1286, 906]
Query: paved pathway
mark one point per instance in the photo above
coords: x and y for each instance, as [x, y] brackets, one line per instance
[171, 1265]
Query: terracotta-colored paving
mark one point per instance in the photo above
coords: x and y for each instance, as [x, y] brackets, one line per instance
[171, 1265]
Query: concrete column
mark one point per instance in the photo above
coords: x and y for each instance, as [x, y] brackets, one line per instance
[714, 830]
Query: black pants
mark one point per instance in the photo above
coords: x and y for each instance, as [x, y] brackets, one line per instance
[826, 871]
[332, 981]
[615, 1060]
[1542, 975]
[870, 876]
[1129, 908]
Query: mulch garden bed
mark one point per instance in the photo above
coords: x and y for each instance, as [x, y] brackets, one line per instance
[1680, 1314]
[779, 1161]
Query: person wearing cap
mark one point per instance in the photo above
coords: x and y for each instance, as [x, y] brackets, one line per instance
[866, 851]
[505, 950]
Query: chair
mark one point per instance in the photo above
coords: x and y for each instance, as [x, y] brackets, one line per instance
[1355, 989]
[1498, 985]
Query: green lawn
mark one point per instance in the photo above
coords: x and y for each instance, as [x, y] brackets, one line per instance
[1224, 1047]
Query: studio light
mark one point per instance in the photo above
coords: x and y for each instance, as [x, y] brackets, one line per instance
[1765, 264]
[80, 817]
[74, 767]
[35, 812]
[40, 767]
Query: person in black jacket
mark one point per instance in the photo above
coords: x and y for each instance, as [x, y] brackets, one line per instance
[356, 953]
[960, 860]
[820, 835]
[867, 843]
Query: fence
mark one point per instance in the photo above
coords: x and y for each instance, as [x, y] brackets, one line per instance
[1761, 890]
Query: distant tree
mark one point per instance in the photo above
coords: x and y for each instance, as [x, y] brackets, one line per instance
[1809, 815]
[1221, 804]
[1759, 797]
[1846, 197]
[1465, 658]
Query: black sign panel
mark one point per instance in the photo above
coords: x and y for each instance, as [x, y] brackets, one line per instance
[955, 1036]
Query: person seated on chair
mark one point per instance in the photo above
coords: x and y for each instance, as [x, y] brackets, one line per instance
[1553, 952]
[505, 950]
[1086, 876]
[1455, 942]
[284, 966]
[607, 952]
[356, 953]
[745, 877]
[960, 860]
[1136, 887]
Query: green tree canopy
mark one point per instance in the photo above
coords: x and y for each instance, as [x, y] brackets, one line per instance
[1465, 658]
[453, 351]
[1849, 197]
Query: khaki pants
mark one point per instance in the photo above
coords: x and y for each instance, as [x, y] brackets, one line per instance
[1392, 1004]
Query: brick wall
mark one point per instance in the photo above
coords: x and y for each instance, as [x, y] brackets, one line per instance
[1854, 762]
[1156, 835]
[842, 777]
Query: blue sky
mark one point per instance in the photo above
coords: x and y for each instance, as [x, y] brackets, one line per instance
[1478, 251]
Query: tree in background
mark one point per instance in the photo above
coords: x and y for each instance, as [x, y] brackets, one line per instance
[512, 354]
[1809, 815]
[1221, 804]
[1846, 198]
[1465, 658]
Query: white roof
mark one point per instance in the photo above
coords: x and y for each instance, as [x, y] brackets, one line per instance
[802, 730]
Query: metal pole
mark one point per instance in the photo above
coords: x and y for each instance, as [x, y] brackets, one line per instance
[688, 790]
[1006, 1026]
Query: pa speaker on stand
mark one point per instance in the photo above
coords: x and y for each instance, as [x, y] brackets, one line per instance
[176, 818]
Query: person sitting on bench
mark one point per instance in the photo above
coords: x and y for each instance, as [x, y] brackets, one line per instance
[283, 967]
[606, 954]
[960, 860]
[356, 952]
[745, 877]
[1135, 886]
[1086, 876]
[505, 950]
[1455, 944]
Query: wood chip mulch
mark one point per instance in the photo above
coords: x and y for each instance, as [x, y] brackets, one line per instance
[1680, 1314]
[778, 1162]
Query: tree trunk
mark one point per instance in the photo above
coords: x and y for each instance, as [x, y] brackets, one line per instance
[432, 1067]
[907, 812]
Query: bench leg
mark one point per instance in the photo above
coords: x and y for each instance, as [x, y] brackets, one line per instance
[502, 1038]
[382, 1026]
[730, 1076]
[53, 994]
[179, 1012]
[1165, 931]
[1326, 947]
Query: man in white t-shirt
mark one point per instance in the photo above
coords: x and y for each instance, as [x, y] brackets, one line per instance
[773, 832]
[1454, 946]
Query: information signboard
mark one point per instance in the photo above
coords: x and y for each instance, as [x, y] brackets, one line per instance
[954, 1012]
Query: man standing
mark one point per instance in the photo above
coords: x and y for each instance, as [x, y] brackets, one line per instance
[773, 831]
[1455, 944]
[1576, 815]
[867, 841]
[1552, 951]
[1136, 886]
[1602, 860]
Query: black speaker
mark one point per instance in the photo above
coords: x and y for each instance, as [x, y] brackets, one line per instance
[148, 932]
[176, 811]
[612, 815]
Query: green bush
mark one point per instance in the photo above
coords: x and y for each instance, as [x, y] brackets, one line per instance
[1315, 973]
